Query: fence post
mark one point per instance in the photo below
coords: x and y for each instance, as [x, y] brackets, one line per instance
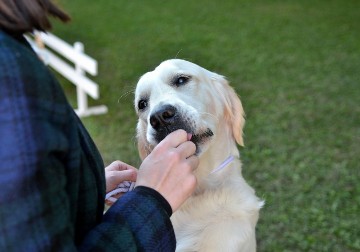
[81, 94]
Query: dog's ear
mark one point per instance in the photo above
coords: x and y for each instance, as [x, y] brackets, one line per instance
[233, 109]
[142, 144]
[143, 152]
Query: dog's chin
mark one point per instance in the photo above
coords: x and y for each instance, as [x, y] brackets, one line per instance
[200, 139]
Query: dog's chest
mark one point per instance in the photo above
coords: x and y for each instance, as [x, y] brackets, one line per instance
[200, 211]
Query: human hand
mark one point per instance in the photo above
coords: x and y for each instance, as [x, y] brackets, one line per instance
[118, 172]
[169, 168]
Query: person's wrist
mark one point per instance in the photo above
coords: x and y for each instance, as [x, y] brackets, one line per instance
[156, 195]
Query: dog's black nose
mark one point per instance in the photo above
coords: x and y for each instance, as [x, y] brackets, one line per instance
[163, 116]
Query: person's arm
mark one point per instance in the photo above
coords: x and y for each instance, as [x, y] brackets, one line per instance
[39, 204]
[34, 205]
[138, 221]
[164, 181]
[35, 208]
[50, 199]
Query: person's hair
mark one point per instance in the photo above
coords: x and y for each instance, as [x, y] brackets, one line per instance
[21, 16]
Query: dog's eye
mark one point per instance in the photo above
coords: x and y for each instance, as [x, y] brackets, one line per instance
[181, 80]
[142, 104]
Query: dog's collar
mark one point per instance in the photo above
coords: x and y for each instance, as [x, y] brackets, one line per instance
[223, 164]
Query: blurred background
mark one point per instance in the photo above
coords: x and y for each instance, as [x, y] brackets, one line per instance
[296, 67]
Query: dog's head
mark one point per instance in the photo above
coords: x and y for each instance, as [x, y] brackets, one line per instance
[181, 95]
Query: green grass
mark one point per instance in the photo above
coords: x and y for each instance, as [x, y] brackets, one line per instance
[296, 66]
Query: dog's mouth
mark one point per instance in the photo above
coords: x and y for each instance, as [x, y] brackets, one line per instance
[197, 138]
[202, 137]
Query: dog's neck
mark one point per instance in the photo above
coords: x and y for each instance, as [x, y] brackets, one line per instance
[222, 146]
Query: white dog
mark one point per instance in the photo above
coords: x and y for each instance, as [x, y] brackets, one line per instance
[222, 213]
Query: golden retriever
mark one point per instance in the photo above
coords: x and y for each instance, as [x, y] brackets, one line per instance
[222, 213]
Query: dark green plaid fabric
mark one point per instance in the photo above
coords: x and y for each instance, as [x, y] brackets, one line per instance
[52, 176]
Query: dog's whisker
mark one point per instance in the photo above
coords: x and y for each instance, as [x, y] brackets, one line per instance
[177, 54]
[134, 140]
[126, 94]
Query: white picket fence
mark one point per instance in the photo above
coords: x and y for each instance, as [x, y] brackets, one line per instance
[49, 48]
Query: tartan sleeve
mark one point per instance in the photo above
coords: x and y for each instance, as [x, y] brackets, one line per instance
[35, 210]
[138, 221]
[48, 199]
[34, 205]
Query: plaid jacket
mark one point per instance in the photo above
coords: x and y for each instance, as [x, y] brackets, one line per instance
[52, 176]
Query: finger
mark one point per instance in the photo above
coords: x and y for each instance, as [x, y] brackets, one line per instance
[114, 178]
[174, 139]
[127, 175]
[120, 176]
[187, 149]
[119, 166]
[193, 161]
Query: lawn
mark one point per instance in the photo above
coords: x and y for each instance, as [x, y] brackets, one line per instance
[296, 67]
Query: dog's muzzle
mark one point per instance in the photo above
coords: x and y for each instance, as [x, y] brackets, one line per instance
[167, 119]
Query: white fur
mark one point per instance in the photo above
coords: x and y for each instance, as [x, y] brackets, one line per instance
[222, 213]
